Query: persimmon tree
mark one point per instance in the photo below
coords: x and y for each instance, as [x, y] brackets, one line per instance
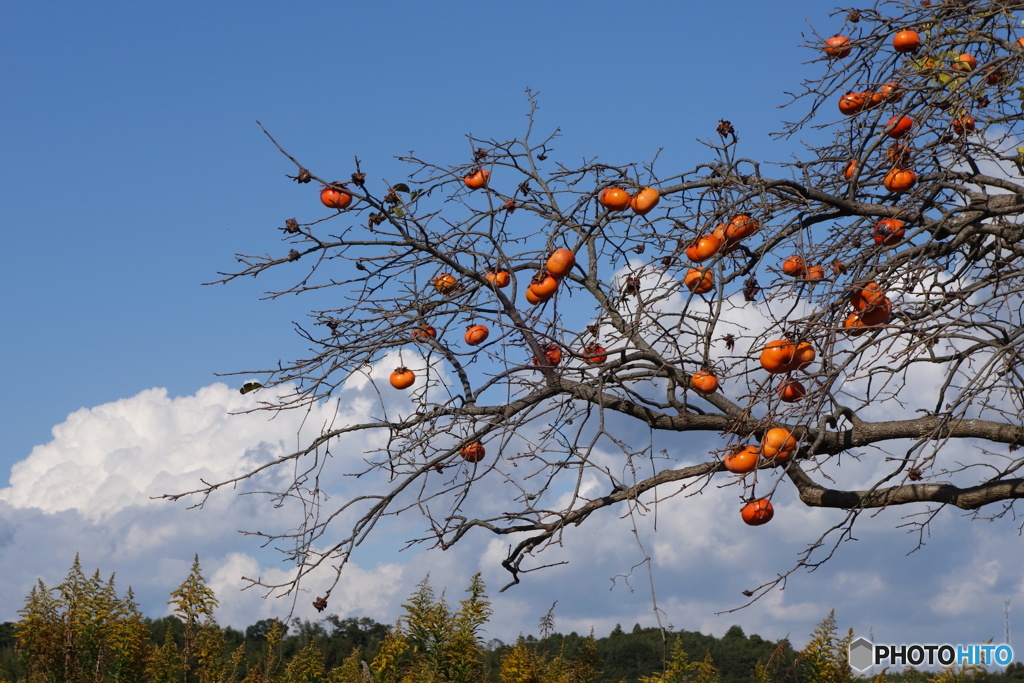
[886, 256]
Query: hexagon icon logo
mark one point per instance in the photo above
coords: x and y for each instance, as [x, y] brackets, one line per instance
[861, 654]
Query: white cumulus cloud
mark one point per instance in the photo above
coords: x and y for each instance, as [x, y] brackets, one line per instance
[118, 455]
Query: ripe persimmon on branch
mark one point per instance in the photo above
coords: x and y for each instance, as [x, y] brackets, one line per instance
[504, 321]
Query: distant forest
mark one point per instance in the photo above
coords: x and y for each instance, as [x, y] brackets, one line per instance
[83, 631]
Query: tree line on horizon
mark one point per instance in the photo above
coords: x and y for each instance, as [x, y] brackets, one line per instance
[82, 631]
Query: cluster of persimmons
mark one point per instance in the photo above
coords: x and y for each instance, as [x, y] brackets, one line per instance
[901, 178]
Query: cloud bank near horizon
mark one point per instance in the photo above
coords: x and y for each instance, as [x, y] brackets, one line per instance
[90, 490]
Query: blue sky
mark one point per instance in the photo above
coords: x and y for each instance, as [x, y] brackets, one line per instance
[135, 170]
